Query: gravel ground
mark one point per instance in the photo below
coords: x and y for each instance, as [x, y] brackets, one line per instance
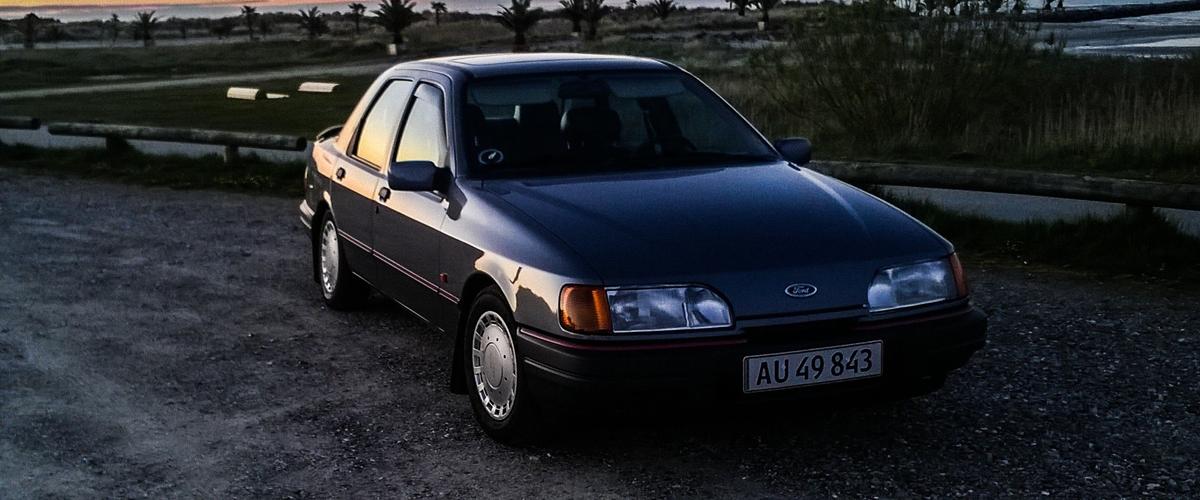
[170, 343]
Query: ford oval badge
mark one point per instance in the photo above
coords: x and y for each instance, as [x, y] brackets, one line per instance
[800, 290]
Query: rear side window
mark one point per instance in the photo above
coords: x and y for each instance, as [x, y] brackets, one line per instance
[382, 121]
[424, 136]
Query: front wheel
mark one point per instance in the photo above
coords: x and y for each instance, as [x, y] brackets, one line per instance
[499, 400]
[340, 288]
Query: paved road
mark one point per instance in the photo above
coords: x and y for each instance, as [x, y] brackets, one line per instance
[170, 343]
[359, 68]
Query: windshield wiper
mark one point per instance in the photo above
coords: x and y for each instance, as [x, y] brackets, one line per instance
[707, 157]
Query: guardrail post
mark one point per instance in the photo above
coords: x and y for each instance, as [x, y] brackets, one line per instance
[231, 155]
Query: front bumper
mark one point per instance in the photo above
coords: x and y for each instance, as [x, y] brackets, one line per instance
[917, 351]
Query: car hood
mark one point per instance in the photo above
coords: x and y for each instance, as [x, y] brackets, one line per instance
[747, 231]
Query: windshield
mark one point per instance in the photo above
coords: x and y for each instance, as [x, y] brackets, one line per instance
[563, 124]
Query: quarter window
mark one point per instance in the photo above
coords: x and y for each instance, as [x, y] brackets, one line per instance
[382, 122]
[424, 136]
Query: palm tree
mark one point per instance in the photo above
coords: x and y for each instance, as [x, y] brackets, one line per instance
[573, 10]
[662, 8]
[313, 22]
[356, 14]
[519, 19]
[395, 16]
[144, 26]
[439, 8]
[1018, 7]
[114, 24]
[29, 29]
[765, 7]
[594, 11]
[250, 14]
[631, 4]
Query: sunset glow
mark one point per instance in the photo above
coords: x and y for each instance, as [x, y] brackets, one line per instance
[132, 3]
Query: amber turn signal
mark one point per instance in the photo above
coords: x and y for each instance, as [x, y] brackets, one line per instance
[960, 278]
[584, 309]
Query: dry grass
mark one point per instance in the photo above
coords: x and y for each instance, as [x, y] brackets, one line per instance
[870, 83]
[1123, 125]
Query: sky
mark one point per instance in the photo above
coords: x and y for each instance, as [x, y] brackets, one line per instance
[126, 3]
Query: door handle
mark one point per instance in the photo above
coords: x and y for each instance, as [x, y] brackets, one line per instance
[384, 194]
[340, 174]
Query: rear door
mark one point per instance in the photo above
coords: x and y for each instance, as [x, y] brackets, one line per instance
[359, 176]
[408, 223]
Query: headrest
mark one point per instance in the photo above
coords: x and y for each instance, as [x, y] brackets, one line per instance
[591, 126]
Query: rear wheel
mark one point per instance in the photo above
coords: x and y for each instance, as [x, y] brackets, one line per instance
[496, 387]
[340, 288]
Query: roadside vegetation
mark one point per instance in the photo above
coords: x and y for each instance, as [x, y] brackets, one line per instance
[869, 80]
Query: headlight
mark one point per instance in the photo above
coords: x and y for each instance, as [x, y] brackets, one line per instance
[586, 309]
[916, 284]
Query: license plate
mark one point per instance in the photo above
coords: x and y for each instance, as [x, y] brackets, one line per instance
[811, 367]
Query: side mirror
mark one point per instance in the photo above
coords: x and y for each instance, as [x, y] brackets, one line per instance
[417, 175]
[796, 150]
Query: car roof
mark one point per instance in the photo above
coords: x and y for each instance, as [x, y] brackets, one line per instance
[488, 65]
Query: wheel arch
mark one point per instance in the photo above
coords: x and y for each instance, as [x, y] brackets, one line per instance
[476, 283]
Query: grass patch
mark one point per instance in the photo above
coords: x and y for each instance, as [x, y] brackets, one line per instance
[250, 175]
[206, 107]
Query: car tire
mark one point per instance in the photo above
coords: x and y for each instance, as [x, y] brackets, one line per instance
[494, 374]
[340, 287]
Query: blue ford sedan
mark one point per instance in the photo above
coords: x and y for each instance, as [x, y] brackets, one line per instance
[589, 225]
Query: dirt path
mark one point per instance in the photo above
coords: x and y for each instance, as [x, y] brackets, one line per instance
[170, 343]
[359, 68]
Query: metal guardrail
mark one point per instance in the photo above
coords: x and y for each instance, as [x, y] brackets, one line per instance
[116, 136]
[1134, 193]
